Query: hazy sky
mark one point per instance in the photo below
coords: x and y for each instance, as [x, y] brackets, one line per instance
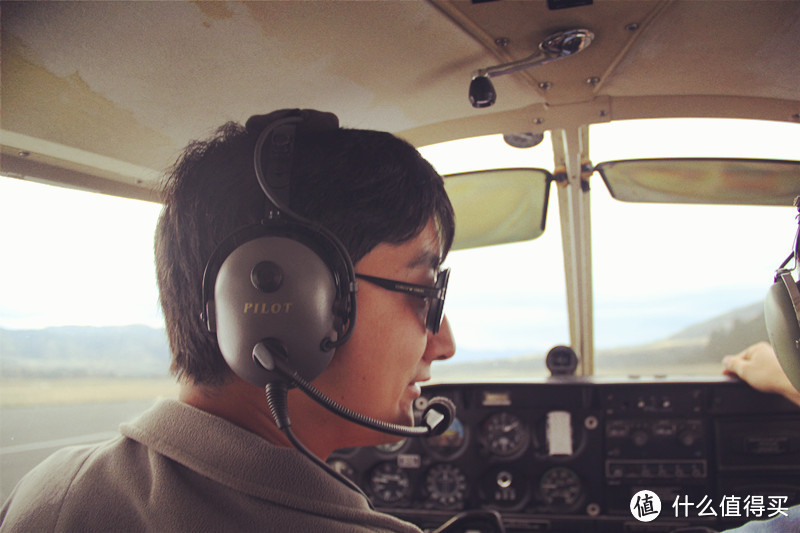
[74, 258]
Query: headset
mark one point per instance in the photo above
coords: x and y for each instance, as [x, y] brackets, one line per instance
[782, 313]
[286, 284]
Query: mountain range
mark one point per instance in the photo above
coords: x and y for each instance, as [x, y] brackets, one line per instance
[141, 351]
[696, 349]
[72, 351]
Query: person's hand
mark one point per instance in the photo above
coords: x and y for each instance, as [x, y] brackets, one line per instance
[758, 366]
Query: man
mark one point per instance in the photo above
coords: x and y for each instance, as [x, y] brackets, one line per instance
[215, 459]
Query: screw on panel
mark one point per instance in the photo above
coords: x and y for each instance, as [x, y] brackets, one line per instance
[502, 41]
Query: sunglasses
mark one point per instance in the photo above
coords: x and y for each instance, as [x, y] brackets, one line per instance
[433, 295]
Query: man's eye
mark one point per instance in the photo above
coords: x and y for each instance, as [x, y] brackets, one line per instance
[420, 305]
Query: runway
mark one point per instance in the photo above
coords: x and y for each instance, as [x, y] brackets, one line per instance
[29, 434]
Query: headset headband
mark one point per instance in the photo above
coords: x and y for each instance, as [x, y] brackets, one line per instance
[273, 157]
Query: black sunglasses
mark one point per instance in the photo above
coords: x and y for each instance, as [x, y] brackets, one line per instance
[435, 295]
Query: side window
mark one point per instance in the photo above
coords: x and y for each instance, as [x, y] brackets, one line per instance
[83, 344]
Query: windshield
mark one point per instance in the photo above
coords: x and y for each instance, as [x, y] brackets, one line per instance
[676, 287]
[691, 288]
[506, 304]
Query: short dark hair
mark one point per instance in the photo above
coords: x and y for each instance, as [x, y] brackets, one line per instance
[366, 187]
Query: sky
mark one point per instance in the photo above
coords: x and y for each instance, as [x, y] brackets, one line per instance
[76, 258]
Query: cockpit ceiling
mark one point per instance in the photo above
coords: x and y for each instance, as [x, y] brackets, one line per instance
[647, 48]
[103, 95]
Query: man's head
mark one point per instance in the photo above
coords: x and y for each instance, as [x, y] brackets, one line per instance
[366, 187]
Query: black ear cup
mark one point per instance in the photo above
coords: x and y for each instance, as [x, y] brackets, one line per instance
[782, 314]
[281, 286]
[290, 306]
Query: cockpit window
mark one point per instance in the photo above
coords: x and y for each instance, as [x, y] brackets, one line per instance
[676, 287]
[75, 258]
[506, 303]
[679, 286]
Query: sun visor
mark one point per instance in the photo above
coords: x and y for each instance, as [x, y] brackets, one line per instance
[703, 181]
[498, 206]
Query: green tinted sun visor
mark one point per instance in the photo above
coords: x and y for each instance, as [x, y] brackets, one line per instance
[498, 206]
[703, 181]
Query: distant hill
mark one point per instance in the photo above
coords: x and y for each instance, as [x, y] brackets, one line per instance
[726, 323]
[140, 351]
[129, 351]
[699, 346]
[704, 342]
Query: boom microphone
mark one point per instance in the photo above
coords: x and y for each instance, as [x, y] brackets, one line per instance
[437, 416]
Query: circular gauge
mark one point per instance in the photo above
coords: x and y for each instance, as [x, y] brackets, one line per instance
[447, 485]
[391, 447]
[450, 442]
[389, 483]
[504, 434]
[342, 467]
[560, 487]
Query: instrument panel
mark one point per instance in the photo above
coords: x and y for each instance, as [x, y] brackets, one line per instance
[569, 454]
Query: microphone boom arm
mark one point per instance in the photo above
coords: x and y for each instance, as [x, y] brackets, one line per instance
[437, 417]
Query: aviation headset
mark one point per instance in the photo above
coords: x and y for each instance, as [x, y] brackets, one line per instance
[782, 313]
[286, 284]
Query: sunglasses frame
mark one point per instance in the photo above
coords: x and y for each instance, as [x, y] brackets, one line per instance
[435, 294]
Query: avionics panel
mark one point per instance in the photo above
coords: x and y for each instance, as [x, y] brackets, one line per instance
[571, 454]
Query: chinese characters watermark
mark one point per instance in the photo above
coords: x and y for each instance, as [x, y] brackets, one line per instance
[755, 506]
[646, 506]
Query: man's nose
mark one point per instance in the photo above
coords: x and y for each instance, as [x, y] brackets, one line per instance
[442, 345]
